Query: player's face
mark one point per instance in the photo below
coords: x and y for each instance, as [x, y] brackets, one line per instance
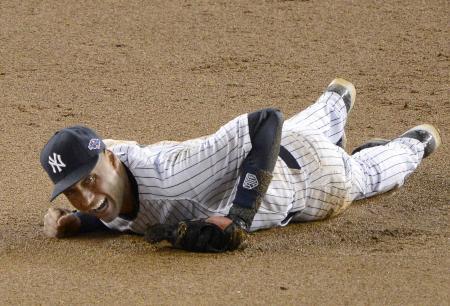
[102, 192]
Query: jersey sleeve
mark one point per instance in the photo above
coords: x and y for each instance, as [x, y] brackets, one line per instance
[265, 128]
[195, 168]
[90, 223]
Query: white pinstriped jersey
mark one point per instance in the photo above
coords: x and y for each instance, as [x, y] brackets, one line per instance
[198, 178]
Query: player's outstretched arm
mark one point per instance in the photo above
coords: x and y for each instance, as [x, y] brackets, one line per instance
[256, 170]
[60, 223]
[226, 233]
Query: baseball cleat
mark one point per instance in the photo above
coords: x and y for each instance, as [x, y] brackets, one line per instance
[346, 90]
[348, 93]
[426, 134]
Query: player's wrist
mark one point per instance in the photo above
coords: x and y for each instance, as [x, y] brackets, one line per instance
[243, 217]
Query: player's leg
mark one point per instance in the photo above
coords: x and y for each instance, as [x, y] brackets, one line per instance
[379, 168]
[322, 184]
[329, 113]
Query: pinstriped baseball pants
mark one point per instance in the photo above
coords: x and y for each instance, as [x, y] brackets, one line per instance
[367, 173]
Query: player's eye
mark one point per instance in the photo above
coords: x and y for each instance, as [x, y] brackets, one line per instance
[89, 180]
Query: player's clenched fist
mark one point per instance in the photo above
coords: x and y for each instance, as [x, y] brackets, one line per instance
[59, 222]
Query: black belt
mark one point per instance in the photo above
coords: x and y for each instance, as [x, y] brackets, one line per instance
[287, 157]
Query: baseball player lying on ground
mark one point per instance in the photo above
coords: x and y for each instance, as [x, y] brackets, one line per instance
[205, 194]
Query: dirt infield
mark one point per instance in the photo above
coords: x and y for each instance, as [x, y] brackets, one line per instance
[154, 70]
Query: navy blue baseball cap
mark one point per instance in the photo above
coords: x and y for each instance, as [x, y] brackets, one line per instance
[70, 155]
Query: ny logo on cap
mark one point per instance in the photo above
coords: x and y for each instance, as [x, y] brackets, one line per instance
[94, 144]
[56, 162]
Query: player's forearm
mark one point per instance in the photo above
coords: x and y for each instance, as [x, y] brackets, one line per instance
[256, 171]
[90, 223]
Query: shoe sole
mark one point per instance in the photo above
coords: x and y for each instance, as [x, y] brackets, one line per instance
[349, 86]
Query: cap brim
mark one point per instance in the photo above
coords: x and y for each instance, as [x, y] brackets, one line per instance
[73, 177]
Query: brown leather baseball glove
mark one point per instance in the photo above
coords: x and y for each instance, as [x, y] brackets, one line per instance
[198, 236]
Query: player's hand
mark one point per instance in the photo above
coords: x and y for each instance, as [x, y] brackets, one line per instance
[215, 234]
[59, 223]
[220, 221]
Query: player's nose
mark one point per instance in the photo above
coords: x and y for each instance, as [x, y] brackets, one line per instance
[85, 199]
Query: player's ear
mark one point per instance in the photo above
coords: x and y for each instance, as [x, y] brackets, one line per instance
[112, 159]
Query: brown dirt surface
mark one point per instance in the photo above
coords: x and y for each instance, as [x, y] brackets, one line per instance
[154, 70]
